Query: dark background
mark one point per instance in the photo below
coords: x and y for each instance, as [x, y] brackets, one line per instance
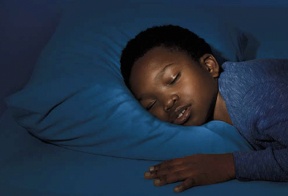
[27, 25]
[25, 28]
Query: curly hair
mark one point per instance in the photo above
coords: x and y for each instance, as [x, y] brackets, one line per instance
[169, 36]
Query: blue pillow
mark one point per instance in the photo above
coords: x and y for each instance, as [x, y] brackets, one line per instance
[76, 97]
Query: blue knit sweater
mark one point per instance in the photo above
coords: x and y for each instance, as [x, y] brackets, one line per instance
[256, 95]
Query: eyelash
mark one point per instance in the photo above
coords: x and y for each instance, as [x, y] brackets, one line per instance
[175, 79]
[149, 107]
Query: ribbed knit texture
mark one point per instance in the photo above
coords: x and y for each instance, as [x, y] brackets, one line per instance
[256, 96]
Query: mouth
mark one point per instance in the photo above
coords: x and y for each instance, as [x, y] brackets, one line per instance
[181, 115]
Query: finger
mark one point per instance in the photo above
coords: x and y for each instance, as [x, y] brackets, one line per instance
[171, 178]
[186, 184]
[158, 182]
[170, 163]
[166, 165]
[168, 175]
[154, 168]
[152, 172]
[163, 169]
[150, 175]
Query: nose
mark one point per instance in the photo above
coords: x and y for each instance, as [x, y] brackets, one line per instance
[169, 102]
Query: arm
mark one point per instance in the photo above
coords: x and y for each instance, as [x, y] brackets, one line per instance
[270, 135]
[267, 164]
[270, 163]
[258, 106]
[193, 170]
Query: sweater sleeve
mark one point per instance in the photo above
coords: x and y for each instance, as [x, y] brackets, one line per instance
[265, 164]
[270, 134]
[256, 94]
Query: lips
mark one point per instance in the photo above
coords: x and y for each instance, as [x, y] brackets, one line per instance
[181, 114]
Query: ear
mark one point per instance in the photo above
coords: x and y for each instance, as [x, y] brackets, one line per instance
[209, 62]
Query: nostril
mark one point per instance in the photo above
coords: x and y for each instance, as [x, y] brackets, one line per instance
[167, 108]
[170, 103]
[175, 97]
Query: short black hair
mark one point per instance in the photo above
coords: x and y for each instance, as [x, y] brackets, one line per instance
[169, 36]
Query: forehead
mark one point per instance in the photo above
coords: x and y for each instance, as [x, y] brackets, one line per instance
[156, 58]
[153, 60]
[147, 68]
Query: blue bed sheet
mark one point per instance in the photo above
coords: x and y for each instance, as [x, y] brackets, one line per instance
[29, 166]
[32, 167]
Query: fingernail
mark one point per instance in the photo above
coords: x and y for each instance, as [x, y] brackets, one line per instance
[157, 182]
[147, 174]
[152, 168]
[177, 189]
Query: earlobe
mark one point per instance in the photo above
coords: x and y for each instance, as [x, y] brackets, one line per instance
[210, 64]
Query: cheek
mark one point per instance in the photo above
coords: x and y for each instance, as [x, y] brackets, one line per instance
[159, 113]
[197, 89]
[139, 87]
[189, 88]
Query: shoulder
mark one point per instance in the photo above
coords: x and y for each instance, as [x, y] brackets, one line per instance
[257, 70]
[240, 77]
[255, 90]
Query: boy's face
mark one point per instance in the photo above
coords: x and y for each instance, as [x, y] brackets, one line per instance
[175, 88]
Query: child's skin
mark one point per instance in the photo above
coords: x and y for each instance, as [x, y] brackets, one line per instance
[177, 89]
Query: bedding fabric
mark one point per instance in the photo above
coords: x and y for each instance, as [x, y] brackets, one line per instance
[30, 167]
[76, 97]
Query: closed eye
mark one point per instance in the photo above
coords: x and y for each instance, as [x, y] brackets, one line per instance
[150, 105]
[175, 79]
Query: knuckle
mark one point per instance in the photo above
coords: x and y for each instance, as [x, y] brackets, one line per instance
[162, 180]
[175, 177]
[189, 182]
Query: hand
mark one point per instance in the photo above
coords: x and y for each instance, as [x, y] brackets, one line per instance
[193, 170]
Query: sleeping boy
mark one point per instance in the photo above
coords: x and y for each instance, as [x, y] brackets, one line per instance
[174, 75]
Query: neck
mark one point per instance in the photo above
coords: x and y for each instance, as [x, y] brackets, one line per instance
[220, 111]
